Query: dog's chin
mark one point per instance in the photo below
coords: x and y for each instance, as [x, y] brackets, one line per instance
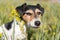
[35, 27]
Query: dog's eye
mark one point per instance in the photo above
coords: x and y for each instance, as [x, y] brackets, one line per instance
[29, 14]
[38, 13]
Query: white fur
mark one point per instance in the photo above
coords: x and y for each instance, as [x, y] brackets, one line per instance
[19, 34]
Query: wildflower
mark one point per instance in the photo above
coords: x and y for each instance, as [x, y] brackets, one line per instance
[18, 19]
[14, 14]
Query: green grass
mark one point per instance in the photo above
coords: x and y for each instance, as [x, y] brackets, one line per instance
[50, 29]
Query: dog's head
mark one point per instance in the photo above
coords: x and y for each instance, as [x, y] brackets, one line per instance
[31, 14]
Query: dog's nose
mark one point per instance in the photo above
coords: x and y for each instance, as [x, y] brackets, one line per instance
[37, 23]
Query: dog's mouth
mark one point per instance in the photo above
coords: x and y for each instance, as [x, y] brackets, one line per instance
[35, 27]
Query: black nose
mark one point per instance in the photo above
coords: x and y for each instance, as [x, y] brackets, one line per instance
[37, 23]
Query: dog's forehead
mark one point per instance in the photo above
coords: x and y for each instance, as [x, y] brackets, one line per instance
[32, 7]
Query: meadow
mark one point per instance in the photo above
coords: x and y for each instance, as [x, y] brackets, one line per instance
[50, 30]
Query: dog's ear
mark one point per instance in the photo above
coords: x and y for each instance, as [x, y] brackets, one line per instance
[21, 9]
[24, 6]
[41, 8]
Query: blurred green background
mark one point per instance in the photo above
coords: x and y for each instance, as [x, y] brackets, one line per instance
[50, 29]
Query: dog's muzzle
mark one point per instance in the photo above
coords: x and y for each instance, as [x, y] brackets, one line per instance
[35, 23]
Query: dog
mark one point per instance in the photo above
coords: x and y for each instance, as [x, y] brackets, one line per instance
[30, 14]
